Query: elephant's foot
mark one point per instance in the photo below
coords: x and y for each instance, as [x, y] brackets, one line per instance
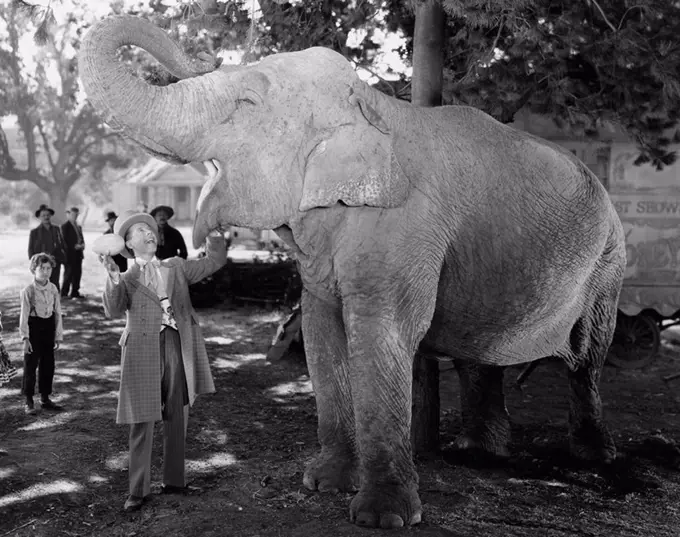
[332, 471]
[466, 442]
[388, 506]
[592, 442]
[492, 437]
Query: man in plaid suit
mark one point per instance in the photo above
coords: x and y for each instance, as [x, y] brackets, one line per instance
[164, 364]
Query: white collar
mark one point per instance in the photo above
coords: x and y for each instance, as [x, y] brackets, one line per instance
[142, 262]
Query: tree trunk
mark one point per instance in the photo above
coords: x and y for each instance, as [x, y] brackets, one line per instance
[58, 196]
[426, 90]
[428, 54]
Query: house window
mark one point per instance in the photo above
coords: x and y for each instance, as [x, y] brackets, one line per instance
[182, 194]
[144, 194]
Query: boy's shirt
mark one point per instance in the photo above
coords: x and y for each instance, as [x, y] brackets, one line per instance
[41, 301]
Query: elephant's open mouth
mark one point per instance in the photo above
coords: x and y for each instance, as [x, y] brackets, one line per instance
[172, 159]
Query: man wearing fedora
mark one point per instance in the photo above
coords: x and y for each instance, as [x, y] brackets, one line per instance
[47, 238]
[75, 246]
[118, 259]
[170, 240]
[164, 364]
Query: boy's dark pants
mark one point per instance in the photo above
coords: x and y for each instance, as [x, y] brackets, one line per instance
[41, 335]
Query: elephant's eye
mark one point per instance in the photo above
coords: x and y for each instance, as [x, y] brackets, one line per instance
[246, 100]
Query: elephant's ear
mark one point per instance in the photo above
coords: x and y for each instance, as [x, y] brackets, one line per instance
[356, 166]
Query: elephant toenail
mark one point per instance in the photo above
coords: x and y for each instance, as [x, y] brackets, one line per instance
[390, 521]
[366, 519]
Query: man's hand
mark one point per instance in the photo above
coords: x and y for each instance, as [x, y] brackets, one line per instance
[28, 348]
[110, 266]
[80, 246]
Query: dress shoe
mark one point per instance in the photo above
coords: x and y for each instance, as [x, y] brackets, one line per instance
[133, 503]
[174, 489]
[77, 296]
[47, 404]
[29, 408]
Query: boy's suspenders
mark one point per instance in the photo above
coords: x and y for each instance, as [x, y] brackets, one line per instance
[31, 300]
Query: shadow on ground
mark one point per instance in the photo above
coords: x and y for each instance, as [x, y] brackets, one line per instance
[66, 473]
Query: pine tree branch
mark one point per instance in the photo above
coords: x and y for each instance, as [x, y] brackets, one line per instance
[498, 35]
[594, 2]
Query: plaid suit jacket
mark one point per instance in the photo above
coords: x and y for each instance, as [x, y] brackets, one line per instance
[139, 398]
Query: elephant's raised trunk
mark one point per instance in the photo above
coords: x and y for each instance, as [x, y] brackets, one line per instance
[167, 121]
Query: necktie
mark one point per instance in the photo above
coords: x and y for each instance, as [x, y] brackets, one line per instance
[152, 280]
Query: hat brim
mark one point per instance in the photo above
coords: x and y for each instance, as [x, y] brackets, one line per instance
[165, 208]
[123, 224]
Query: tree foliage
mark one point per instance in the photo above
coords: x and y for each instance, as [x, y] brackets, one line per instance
[61, 140]
[584, 63]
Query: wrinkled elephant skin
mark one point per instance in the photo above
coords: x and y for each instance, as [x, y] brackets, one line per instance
[439, 230]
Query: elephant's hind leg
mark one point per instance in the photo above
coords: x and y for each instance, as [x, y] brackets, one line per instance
[335, 468]
[485, 420]
[589, 340]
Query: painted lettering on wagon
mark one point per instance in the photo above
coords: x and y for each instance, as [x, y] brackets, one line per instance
[659, 254]
[647, 207]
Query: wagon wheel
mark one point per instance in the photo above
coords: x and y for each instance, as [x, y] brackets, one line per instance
[636, 341]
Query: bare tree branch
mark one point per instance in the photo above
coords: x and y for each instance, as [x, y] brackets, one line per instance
[46, 143]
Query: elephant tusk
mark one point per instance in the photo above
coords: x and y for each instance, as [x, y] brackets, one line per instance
[213, 167]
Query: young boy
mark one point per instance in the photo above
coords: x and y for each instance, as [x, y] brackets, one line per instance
[41, 330]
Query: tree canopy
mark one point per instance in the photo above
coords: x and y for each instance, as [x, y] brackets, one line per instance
[60, 139]
[584, 63]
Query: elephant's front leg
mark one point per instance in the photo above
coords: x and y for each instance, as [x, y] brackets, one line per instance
[335, 468]
[381, 358]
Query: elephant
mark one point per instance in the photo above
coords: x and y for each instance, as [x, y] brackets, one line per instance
[438, 231]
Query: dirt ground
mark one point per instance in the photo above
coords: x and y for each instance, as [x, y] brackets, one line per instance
[66, 474]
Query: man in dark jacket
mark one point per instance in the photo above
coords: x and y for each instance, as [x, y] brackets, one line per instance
[170, 243]
[47, 238]
[119, 260]
[75, 244]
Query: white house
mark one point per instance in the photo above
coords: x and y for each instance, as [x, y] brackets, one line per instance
[160, 183]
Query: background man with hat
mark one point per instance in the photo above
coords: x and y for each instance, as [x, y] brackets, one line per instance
[118, 259]
[75, 244]
[164, 364]
[47, 238]
[170, 240]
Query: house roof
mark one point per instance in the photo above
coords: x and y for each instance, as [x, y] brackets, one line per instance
[157, 172]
